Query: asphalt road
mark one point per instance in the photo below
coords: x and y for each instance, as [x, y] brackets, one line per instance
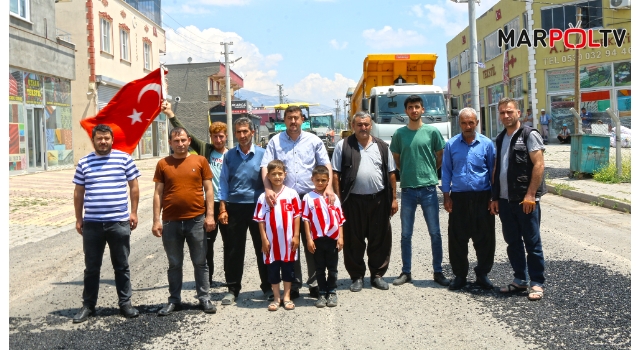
[587, 301]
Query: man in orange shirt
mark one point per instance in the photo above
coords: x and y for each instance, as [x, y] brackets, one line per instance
[180, 179]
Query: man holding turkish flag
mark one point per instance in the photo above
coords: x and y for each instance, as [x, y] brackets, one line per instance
[131, 110]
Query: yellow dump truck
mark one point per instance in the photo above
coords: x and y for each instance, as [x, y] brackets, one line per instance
[387, 80]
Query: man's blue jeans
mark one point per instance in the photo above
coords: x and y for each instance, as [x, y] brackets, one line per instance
[174, 234]
[95, 236]
[427, 198]
[522, 232]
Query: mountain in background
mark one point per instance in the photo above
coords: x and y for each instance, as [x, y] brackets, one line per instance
[257, 100]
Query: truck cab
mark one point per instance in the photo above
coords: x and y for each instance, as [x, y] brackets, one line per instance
[386, 106]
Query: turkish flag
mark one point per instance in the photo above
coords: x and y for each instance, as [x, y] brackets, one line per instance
[130, 111]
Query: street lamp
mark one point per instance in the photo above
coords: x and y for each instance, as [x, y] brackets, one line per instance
[473, 50]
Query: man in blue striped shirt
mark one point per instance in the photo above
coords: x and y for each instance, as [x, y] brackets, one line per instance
[467, 167]
[101, 180]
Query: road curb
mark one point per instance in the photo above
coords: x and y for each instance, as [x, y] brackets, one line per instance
[591, 199]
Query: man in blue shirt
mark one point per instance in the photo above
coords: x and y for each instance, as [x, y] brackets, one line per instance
[586, 117]
[240, 187]
[545, 120]
[300, 151]
[467, 166]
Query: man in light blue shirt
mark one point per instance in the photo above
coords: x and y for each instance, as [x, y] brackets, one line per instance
[467, 167]
[545, 121]
[300, 151]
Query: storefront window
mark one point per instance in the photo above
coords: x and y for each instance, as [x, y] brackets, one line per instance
[58, 121]
[466, 100]
[481, 97]
[624, 106]
[515, 88]
[496, 92]
[559, 109]
[595, 75]
[622, 73]
[146, 143]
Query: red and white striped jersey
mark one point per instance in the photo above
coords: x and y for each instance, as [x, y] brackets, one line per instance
[279, 224]
[324, 219]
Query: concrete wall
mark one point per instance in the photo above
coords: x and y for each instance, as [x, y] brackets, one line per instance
[33, 45]
[190, 82]
[108, 65]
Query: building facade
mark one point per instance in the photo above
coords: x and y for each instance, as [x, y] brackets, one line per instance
[201, 89]
[117, 43]
[41, 61]
[544, 77]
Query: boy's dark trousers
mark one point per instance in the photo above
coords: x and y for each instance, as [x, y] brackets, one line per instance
[326, 259]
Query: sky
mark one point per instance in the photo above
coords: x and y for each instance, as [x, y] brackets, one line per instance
[314, 48]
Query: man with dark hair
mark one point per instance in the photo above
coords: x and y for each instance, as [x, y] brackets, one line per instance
[518, 184]
[365, 180]
[586, 116]
[214, 152]
[467, 167]
[240, 188]
[417, 150]
[101, 181]
[180, 179]
[300, 151]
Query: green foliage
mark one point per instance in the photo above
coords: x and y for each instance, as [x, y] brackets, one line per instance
[609, 174]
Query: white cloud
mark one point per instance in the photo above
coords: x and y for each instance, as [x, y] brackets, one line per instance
[388, 38]
[204, 46]
[338, 46]
[193, 10]
[448, 16]
[316, 88]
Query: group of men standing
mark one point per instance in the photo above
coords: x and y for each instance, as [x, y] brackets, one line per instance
[477, 184]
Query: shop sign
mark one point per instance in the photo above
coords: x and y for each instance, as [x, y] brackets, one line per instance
[561, 79]
[57, 92]
[33, 92]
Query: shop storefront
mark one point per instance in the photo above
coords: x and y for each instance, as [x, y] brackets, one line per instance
[39, 122]
[602, 86]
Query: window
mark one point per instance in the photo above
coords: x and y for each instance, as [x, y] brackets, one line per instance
[124, 44]
[464, 61]
[147, 55]
[515, 88]
[512, 25]
[479, 51]
[214, 87]
[454, 69]
[105, 35]
[19, 8]
[491, 48]
[559, 17]
[525, 21]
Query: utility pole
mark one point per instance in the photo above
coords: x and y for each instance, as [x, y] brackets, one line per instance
[280, 94]
[337, 101]
[577, 70]
[227, 83]
[473, 52]
[346, 103]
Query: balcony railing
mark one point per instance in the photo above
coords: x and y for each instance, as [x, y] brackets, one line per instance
[62, 35]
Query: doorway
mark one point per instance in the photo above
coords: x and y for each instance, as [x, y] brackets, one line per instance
[35, 139]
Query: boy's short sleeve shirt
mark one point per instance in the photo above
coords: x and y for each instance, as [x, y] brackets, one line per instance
[417, 149]
[324, 219]
[279, 222]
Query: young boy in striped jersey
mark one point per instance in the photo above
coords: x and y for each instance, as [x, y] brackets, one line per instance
[280, 232]
[323, 227]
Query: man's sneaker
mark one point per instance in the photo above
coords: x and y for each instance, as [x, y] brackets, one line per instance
[322, 301]
[228, 299]
[440, 279]
[332, 301]
[402, 279]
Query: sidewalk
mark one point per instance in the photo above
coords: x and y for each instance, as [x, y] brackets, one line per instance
[41, 204]
[587, 190]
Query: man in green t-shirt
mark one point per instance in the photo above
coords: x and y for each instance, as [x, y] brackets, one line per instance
[420, 146]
